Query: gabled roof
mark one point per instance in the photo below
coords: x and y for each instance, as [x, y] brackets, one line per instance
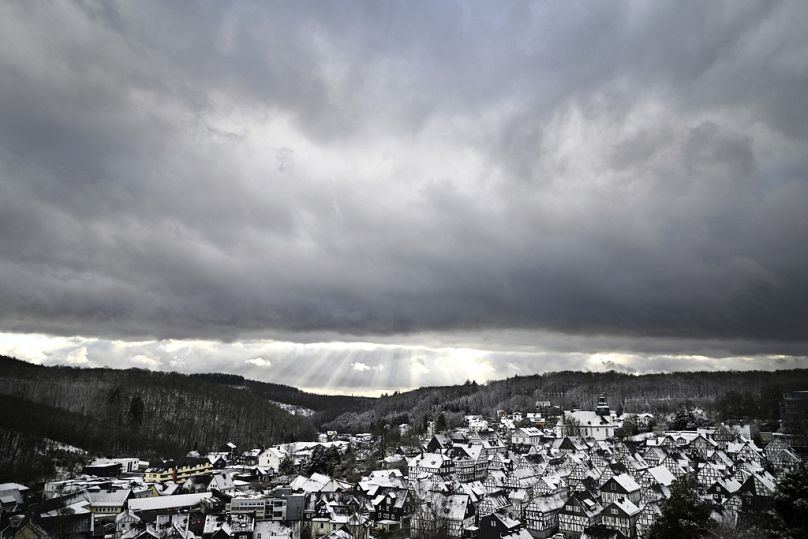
[496, 502]
[474, 489]
[552, 481]
[625, 481]
[662, 475]
[135, 533]
[474, 451]
[575, 443]
[520, 495]
[275, 452]
[626, 507]
[318, 483]
[657, 492]
[654, 453]
[506, 520]
[651, 508]
[428, 460]
[338, 534]
[169, 488]
[456, 506]
[442, 440]
[221, 481]
[528, 431]
[590, 506]
[521, 533]
[766, 480]
[34, 528]
[728, 486]
[127, 515]
[547, 504]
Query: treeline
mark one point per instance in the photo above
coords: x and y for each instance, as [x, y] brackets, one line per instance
[660, 393]
[143, 413]
[23, 458]
[29, 432]
[287, 394]
[740, 406]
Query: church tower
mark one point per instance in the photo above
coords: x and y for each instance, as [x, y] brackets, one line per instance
[602, 408]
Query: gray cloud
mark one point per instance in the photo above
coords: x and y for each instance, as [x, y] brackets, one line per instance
[624, 170]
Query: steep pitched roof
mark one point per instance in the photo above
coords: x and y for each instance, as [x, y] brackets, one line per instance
[662, 475]
[626, 482]
[626, 506]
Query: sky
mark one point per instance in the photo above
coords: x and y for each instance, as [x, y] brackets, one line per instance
[357, 197]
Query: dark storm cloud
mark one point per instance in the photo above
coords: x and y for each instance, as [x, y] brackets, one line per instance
[207, 170]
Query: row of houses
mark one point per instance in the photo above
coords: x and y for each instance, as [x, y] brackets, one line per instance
[550, 481]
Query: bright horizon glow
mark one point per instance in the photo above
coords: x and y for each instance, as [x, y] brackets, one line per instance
[363, 368]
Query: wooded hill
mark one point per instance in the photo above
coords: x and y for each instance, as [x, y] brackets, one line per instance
[142, 413]
[730, 394]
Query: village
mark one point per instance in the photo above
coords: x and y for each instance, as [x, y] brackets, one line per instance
[518, 475]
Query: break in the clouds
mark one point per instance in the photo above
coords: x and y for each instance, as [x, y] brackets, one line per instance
[364, 368]
[227, 171]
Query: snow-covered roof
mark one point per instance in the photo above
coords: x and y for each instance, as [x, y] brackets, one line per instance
[269, 529]
[221, 481]
[626, 481]
[521, 533]
[547, 503]
[528, 431]
[587, 418]
[167, 502]
[507, 520]
[456, 506]
[627, 506]
[12, 486]
[428, 460]
[662, 475]
[109, 499]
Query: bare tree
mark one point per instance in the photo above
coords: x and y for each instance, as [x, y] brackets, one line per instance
[572, 426]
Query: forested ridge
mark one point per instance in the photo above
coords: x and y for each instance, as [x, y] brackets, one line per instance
[731, 394]
[136, 412]
[287, 394]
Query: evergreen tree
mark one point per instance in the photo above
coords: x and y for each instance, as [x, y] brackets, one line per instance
[287, 466]
[684, 419]
[629, 428]
[684, 515]
[791, 503]
[136, 411]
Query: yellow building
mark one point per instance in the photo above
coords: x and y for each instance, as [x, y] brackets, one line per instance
[178, 470]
